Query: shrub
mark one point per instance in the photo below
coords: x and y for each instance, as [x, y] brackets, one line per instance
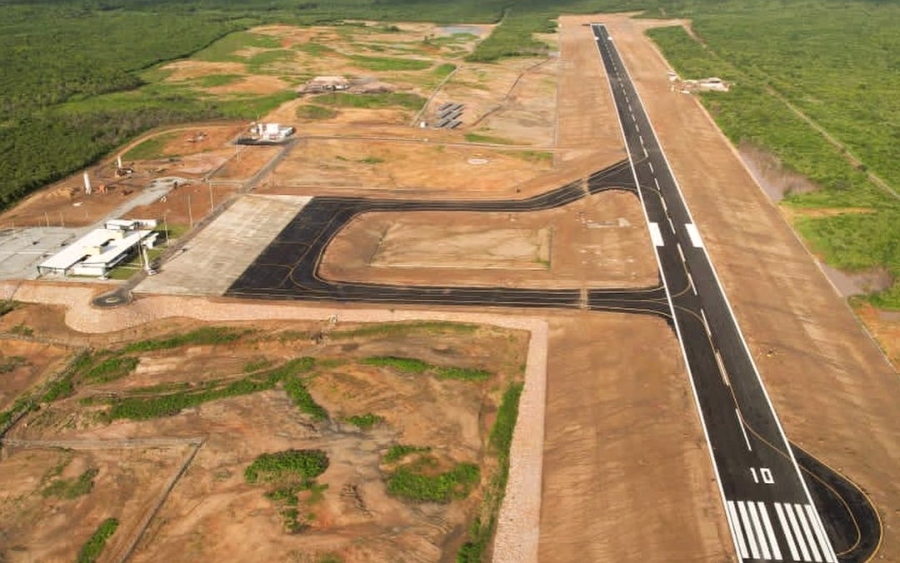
[94, 546]
[306, 464]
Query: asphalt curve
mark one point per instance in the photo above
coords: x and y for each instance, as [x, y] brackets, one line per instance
[288, 267]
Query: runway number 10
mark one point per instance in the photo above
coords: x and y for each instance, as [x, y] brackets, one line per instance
[764, 473]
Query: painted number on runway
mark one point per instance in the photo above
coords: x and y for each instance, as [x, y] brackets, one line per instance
[764, 473]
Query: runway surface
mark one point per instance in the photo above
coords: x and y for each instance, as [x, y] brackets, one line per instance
[780, 505]
[771, 511]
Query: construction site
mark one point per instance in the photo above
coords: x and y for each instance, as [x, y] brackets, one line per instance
[609, 450]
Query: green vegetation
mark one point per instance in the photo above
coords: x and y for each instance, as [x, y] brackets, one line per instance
[300, 396]
[482, 529]
[204, 336]
[400, 329]
[314, 112]
[214, 80]
[479, 138]
[22, 329]
[95, 545]
[413, 365]
[138, 407]
[383, 64]
[8, 364]
[372, 101]
[314, 49]
[365, 421]
[844, 90]
[398, 452]
[420, 482]
[111, 369]
[372, 160]
[293, 471]
[304, 464]
[151, 149]
[444, 70]
[69, 489]
[62, 385]
[514, 38]
[7, 306]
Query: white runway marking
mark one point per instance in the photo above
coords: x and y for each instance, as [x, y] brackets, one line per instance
[770, 533]
[651, 167]
[786, 531]
[694, 234]
[656, 235]
[757, 529]
[672, 225]
[754, 550]
[743, 430]
[810, 540]
[798, 534]
[680, 253]
[736, 529]
[820, 533]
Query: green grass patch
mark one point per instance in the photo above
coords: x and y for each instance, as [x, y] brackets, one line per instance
[444, 70]
[538, 157]
[413, 483]
[258, 63]
[68, 489]
[413, 365]
[482, 529]
[479, 138]
[403, 100]
[402, 329]
[63, 384]
[137, 407]
[384, 64]
[300, 396]
[92, 550]
[514, 37]
[214, 80]
[151, 149]
[315, 113]
[405, 365]
[400, 451]
[314, 49]
[365, 421]
[372, 160]
[204, 336]
[303, 464]
[111, 369]
[689, 58]
[7, 306]
[226, 48]
[22, 329]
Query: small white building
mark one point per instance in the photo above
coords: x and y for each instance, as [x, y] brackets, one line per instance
[101, 250]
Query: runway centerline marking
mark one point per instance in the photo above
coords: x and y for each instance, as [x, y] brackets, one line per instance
[740, 420]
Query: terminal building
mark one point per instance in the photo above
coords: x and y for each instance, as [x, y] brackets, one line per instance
[101, 250]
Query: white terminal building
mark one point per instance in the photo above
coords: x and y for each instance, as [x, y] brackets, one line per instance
[101, 250]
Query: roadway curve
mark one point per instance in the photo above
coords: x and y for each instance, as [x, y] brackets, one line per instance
[289, 267]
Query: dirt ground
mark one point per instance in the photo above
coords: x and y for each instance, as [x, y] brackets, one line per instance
[23, 363]
[212, 513]
[599, 241]
[830, 384]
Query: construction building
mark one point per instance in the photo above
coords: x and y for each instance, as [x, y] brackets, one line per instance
[101, 250]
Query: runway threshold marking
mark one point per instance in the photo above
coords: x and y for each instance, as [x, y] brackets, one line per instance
[656, 235]
[694, 234]
[792, 546]
[743, 430]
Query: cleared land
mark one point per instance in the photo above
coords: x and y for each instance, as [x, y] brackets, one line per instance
[133, 429]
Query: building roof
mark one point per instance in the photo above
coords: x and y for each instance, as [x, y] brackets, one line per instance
[99, 247]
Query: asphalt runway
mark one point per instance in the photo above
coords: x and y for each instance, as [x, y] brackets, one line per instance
[288, 267]
[772, 513]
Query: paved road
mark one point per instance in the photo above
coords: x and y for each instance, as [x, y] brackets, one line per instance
[770, 512]
[288, 268]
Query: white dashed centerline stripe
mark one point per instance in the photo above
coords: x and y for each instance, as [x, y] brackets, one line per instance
[798, 534]
[787, 532]
[651, 168]
[770, 533]
[820, 533]
[745, 520]
[801, 515]
[736, 532]
[757, 529]
[737, 413]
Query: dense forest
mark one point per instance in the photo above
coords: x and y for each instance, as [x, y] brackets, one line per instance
[837, 62]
